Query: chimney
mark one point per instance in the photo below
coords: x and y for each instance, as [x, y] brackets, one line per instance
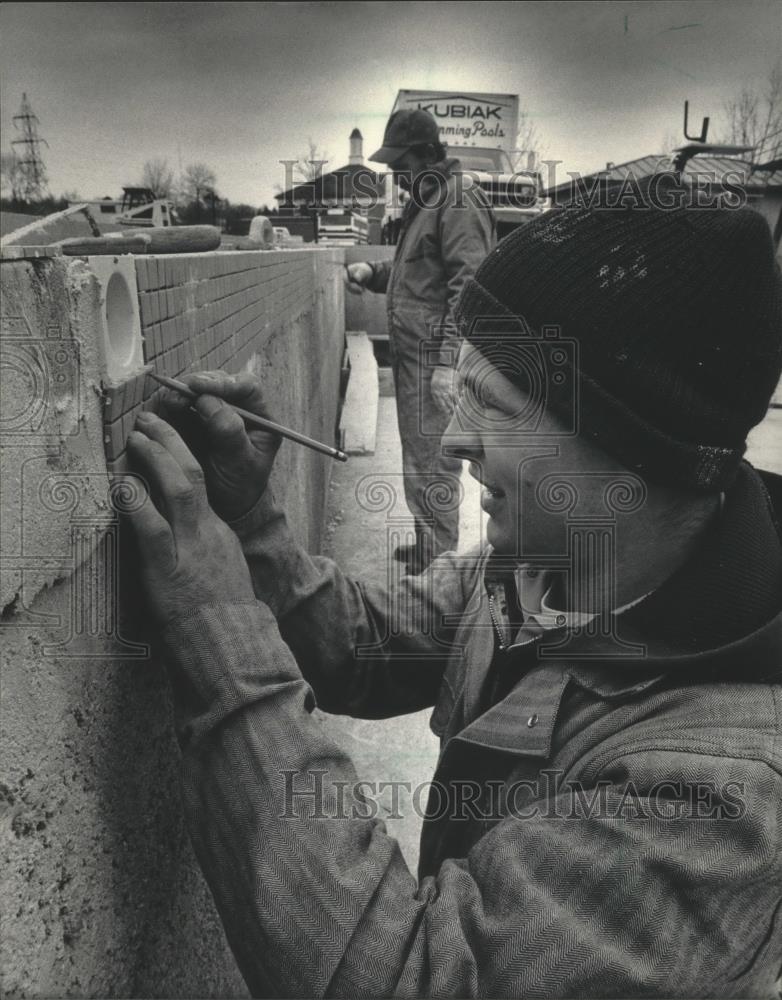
[356, 148]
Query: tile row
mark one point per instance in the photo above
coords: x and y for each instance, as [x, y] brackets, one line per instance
[171, 270]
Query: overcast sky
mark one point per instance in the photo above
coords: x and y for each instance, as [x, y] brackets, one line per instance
[240, 86]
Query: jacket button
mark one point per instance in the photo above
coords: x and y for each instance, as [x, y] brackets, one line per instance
[532, 720]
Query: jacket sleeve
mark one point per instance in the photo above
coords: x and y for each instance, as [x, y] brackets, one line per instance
[368, 651]
[381, 272]
[467, 234]
[554, 900]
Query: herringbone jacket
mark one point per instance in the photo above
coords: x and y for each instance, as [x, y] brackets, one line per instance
[624, 814]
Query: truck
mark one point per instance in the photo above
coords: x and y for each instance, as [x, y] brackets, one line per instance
[480, 130]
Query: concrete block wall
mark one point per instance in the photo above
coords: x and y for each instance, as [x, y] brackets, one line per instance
[101, 895]
[242, 311]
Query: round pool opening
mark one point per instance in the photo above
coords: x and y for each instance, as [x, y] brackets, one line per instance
[119, 319]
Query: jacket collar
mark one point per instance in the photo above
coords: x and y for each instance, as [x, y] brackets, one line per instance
[717, 619]
[431, 188]
[722, 611]
[724, 606]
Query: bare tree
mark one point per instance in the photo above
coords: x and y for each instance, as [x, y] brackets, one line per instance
[309, 166]
[529, 147]
[197, 179]
[11, 176]
[754, 118]
[158, 177]
[306, 167]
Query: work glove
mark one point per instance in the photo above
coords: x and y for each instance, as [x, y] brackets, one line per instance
[357, 277]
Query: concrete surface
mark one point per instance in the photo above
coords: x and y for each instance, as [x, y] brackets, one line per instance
[764, 445]
[358, 423]
[51, 420]
[100, 893]
[42, 230]
[11, 221]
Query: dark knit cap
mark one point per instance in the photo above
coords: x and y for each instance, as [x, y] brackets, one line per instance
[677, 320]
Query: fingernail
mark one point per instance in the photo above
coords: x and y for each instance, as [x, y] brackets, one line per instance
[145, 416]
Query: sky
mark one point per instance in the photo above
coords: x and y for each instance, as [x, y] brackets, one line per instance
[241, 86]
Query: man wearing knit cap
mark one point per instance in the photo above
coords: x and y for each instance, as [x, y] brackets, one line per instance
[606, 673]
[447, 228]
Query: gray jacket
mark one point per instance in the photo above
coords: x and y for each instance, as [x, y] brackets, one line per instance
[444, 238]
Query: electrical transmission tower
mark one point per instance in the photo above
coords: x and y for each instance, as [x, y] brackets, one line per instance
[33, 181]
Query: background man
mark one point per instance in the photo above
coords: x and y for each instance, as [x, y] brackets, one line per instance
[447, 229]
[608, 810]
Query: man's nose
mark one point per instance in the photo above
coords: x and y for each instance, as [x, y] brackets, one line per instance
[459, 441]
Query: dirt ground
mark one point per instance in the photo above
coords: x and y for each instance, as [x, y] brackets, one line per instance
[404, 749]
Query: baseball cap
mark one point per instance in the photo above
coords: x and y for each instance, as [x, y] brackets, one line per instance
[406, 128]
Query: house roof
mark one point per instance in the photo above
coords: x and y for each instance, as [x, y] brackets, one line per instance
[351, 181]
[769, 174]
[645, 166]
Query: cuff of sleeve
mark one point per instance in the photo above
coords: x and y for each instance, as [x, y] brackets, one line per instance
[222, 657]
[375, 283]
[264, 511]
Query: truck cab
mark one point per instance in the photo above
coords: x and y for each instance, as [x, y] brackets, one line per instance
[515, 195]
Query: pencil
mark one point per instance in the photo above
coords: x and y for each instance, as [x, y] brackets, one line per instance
[256, 421]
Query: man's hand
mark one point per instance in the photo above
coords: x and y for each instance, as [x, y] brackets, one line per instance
[236, 461]
[357, 277]
[442, 389]
[189, 557]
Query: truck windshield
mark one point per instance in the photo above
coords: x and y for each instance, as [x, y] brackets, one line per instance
[477, 158]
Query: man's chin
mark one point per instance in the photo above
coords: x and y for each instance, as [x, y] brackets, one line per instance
[500, 540]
